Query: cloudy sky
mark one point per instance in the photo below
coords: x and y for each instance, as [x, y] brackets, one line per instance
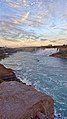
[32, 22]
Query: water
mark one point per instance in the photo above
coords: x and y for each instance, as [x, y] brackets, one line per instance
[46, 74]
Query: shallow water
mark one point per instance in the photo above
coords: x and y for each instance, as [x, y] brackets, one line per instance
[47, 74]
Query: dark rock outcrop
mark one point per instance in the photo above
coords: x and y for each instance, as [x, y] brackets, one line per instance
[18, 101]
[62, 53]
[7, 74]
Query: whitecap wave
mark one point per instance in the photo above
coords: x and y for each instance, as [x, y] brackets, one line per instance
[27, 82]
[47, 51]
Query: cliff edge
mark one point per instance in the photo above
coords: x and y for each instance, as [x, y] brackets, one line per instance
[19, 101]
[62, 53]
[7, 74]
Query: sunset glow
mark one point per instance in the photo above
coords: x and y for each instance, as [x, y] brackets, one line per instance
[33, 23]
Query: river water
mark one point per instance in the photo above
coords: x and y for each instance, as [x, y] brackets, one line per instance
[46, 74]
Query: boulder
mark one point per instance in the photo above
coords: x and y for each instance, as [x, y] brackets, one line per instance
[7, 74]
[19, 101]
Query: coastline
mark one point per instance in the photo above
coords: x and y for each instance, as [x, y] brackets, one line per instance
[14, 92]
[62, 53]
[44, 104]
[6, 51]
[9, 79]
[49, 57]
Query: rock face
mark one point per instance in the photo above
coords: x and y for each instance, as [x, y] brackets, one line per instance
[7, 74]
[18, 101]
[60, 54]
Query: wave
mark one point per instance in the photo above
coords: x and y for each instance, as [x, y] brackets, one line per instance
[46, 52]
[27, 82]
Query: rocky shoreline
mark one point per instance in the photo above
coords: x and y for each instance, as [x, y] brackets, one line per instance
[7, 74]
[5, 52]
[62, 53]
[19, 101]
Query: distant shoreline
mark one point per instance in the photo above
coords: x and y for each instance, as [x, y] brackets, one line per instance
[5, 51]
[62, 53]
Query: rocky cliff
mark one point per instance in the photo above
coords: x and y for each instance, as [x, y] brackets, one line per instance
[61, 54]
[19, 101]
[7, 74]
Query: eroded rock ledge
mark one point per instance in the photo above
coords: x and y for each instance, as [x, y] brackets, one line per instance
[7, 74]
[62, 53]
[19, 101]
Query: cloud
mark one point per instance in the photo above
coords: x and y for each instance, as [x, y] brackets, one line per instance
[13, 4]
[37, 20]
[43, 39]
[24, 2]
[35, 23]
[11, 23]
[61, 28]
[27, 15]
[11, 31]
[6, 25]
[21, 19]
[16, 4]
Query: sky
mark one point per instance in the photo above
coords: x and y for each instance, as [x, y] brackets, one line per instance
[33, 22]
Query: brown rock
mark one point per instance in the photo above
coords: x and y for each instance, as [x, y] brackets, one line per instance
[7, 74]
[18, 101]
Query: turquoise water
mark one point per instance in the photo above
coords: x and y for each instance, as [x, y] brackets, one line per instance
[46, 74]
